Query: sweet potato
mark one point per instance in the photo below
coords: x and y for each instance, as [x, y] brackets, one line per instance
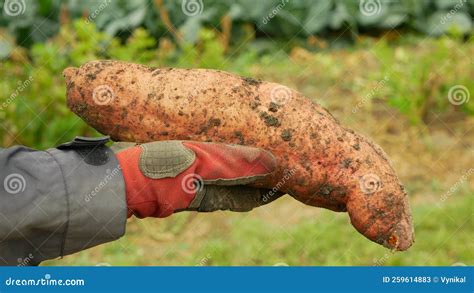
[321, 163]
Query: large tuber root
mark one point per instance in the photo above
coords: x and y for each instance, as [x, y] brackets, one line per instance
[320, 162]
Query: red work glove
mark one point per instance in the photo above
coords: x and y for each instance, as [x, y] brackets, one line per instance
[169, 176]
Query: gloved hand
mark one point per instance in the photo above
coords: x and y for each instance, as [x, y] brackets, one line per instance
[169, 176]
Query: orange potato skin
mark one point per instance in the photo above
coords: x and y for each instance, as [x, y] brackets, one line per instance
[320, 162]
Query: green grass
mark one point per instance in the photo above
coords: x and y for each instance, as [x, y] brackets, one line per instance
[443, 237]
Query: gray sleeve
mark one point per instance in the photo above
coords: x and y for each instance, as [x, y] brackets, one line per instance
[59, 201]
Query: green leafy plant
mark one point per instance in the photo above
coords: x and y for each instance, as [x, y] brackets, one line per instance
[423, 81]
[271, 19]
[33, 111]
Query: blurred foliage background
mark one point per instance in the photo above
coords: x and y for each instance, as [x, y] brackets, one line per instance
[400, 72]
[279, 19]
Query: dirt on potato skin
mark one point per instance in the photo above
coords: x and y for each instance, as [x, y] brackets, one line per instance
[328, 162]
